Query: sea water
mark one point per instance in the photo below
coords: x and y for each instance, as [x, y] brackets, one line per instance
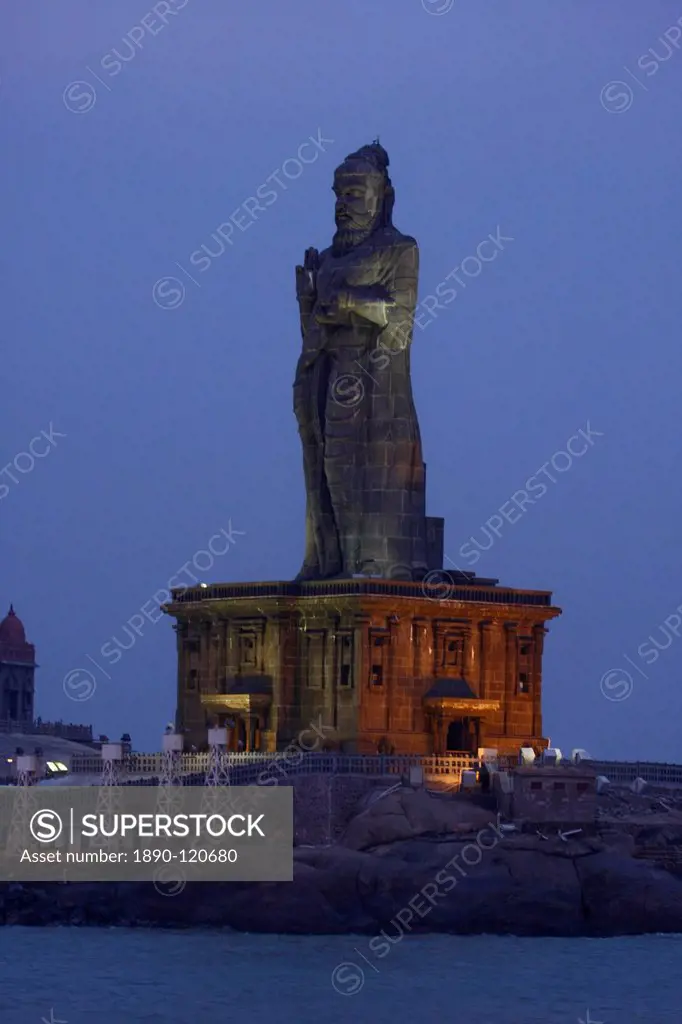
[125, 976]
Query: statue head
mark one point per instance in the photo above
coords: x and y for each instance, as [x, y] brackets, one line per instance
[364, 196]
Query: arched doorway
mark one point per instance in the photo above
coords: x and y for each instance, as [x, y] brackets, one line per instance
[462, 735]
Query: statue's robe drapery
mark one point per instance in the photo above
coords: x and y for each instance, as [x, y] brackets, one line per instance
[364, 473]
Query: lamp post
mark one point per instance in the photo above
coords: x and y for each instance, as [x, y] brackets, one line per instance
[25, 800]
[26, 768]
[217, 774]
[172, 745]
[108, 794]
[112, 764]
[169, 794]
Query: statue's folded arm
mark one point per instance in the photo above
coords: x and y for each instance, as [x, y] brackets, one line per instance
[397, 333]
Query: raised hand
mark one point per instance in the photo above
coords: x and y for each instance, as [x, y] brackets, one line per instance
[306, 276]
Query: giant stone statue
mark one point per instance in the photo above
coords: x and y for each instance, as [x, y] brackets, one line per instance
[362, 455]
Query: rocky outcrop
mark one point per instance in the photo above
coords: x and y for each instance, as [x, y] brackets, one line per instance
[407, 813]
[406, 863]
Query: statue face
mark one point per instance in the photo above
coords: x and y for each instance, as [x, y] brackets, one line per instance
[358, 199]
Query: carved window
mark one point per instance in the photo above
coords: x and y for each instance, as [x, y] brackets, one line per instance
[247, 651]
[454, 649]
[192, 679]
[192, 646]
[451, 653]
[524, 665]
[536, 785]
[378, 648]
[345, 661]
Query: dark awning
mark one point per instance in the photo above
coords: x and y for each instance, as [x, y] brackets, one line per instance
[249, 684]
[455, 696]
[451, 688]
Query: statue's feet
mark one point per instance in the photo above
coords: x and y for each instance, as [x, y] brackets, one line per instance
[308, 572]
[371, 569]
[392, 573]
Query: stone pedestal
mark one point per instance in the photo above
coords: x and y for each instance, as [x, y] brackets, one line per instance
[359, 665]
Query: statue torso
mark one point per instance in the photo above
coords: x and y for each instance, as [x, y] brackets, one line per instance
[373, 262]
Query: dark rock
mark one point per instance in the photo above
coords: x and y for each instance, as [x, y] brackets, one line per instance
[624, 896]
[460, 883]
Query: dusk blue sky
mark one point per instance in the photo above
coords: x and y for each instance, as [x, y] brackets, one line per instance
[178, 421]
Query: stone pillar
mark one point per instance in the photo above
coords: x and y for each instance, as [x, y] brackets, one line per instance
[443, 726]
[261, 632]
[438, 644]
[472, 660]
[432, 725]
[191, 713]
[231, 650]
[392, 690]
[329, 696]
[485, 630]
[212, 654]
[363, 662]
[492, 678]
[418, 630]
[405, 711]
[274, 643]
[222, 626]
[466, 656]
[181, 706]
[331, 668]
[536, 679]
[204, 645]
[510, 676]
[345, 697]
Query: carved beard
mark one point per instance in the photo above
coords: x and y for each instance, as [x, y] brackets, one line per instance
[347, 238]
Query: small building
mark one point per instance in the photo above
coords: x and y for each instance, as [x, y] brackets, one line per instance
[17, 672]
[560, 795]
[18, 728]
[51, 749]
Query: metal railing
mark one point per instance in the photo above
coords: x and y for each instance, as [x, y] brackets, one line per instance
[624, 772]
[250, 765]
[268, 770]
[246, 767]
[152, 764]
[483, 590]
[61, 730]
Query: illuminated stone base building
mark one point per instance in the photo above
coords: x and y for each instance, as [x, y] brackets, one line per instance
[375, 665]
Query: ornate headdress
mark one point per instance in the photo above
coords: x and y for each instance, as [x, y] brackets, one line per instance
[372, 160]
